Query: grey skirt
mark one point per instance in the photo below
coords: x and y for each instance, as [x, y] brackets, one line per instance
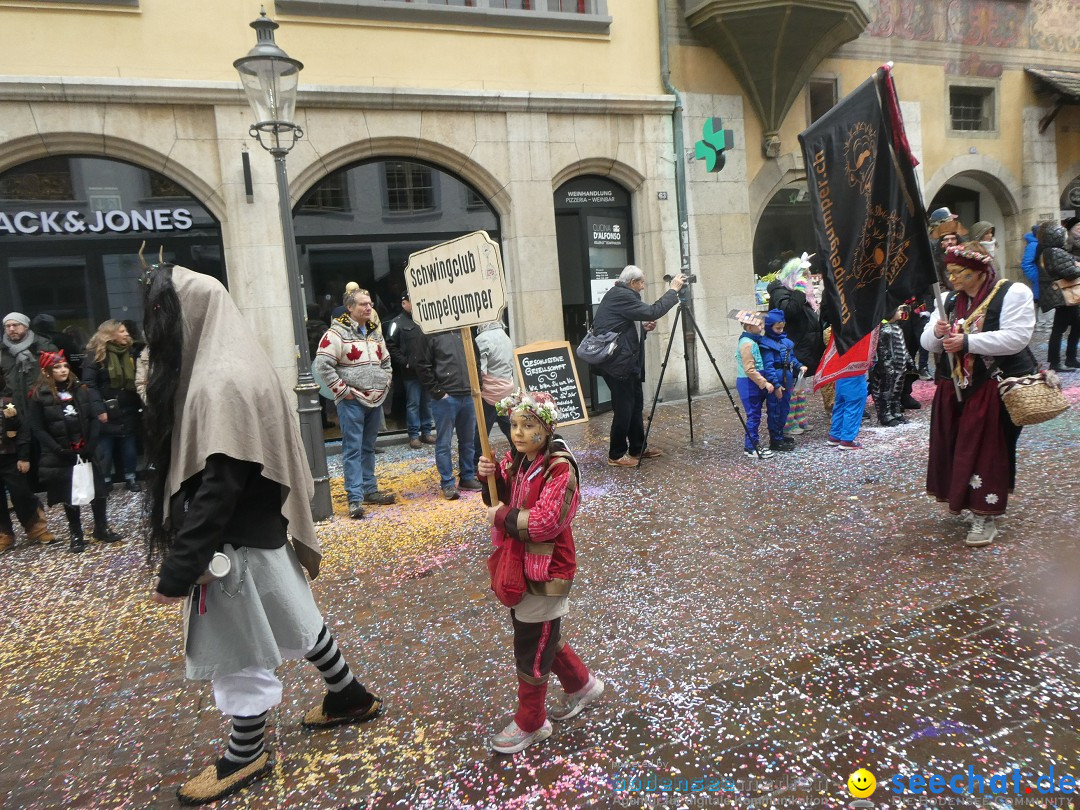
[257, 616]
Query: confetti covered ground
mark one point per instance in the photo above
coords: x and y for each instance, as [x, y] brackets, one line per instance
[774, 623]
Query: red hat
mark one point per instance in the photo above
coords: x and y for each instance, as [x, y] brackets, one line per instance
[48, 359]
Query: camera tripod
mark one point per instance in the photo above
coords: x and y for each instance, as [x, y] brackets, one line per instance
[684, 311]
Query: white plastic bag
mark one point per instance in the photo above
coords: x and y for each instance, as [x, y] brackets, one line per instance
[82, 483]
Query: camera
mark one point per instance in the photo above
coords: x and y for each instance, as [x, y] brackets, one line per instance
[690, 279]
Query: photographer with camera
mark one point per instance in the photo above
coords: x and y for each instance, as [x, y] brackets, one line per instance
[621, 310]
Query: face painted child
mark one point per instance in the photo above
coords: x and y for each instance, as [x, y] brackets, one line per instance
[60, 371]
[528, 433]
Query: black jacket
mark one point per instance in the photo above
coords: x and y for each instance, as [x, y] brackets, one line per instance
[803, 324]
[64, 435]
[620, 311]
[14, 429]
[128, 403]
[21, 383]
[1055, 264]
[439, 363]
[228, 502]
[401, 334]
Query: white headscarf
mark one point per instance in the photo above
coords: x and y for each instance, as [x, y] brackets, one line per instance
[231, 401]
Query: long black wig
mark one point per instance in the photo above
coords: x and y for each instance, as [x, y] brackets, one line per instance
[164, 330]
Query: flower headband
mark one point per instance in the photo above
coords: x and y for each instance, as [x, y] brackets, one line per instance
[965, 256]
[538, 403]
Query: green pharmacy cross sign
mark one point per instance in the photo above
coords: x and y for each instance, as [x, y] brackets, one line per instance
[715, 141]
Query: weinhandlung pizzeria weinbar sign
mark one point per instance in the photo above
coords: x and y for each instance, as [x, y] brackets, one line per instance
[455, 284]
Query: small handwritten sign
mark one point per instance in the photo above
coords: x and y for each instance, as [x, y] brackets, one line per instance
[550, 367]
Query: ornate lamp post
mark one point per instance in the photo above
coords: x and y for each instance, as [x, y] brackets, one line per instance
[269, 77]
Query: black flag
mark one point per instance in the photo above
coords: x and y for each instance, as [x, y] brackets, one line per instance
[868, 210]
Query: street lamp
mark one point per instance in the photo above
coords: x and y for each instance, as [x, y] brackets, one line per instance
[269, 77]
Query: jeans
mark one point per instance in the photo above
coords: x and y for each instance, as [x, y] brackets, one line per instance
[847, 412]
[359, 430]
[627, 424]
[490, 416]
[1066, 319]
[454, 413]
[418, 418]
[128, 456]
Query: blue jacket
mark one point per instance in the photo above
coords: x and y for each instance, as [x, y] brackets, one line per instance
[1031, 270]
[781, 366]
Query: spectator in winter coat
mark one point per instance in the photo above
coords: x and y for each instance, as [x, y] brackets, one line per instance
[109, 369]
[14, 479]
[620, 311]
[794, 295]
[63, 418]
[401, 333]
[440, 364]
[19, 357]
[354, 364]
[1030, 268]
[1057, 264]
[496, 377]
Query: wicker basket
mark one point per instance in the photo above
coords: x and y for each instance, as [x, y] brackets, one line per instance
[1033, 398]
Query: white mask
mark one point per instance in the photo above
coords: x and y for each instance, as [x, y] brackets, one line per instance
[989, 247]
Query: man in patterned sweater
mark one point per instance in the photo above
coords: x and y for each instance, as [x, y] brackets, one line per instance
[354, 364]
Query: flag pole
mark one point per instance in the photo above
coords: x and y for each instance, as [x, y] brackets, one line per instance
[950, 358]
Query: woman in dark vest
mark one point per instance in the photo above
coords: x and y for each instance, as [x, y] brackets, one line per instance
[972, 439]
[63, 419]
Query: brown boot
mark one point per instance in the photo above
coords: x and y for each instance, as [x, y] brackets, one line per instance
[7, 540]
[38, 530]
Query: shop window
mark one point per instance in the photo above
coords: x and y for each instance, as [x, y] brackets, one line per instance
[330, 195]
[821, 96]
[47, 180]
[409, 188]
[971, 109]
[162, 186]
[581, 16]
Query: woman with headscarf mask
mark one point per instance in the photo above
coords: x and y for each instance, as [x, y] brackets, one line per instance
[231, 477]
[972, 461]
[793, 292]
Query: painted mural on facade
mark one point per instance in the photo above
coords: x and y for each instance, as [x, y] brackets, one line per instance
[1047, 25]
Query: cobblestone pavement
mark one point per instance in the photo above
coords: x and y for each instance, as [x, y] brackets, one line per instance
[767, 625]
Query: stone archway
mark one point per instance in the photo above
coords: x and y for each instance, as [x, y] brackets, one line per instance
[52, 144]
[407, 147]
[1007, 192]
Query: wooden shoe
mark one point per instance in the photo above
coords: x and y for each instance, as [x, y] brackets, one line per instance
[207, 787]
[318, 718]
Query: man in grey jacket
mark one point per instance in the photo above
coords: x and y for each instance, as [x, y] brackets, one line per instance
[354, 364]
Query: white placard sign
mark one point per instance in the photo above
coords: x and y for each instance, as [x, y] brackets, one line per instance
[456, 284]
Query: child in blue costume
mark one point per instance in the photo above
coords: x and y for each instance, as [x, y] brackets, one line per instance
[750, 381]
[782, 369]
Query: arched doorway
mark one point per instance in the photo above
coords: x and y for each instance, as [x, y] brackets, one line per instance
[785, 229]
[361, 223]
[595, 238]
[70, 231]
[977, 195]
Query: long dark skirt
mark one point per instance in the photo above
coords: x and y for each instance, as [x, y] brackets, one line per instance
[972, 450]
